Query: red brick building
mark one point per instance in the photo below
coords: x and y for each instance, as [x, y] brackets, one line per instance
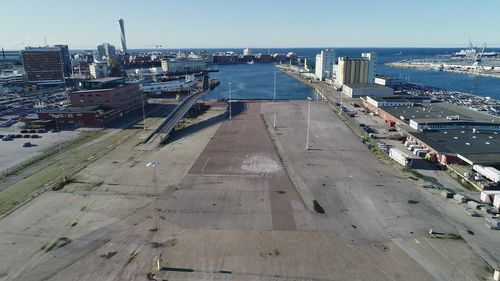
[126, 97]
[99, 101]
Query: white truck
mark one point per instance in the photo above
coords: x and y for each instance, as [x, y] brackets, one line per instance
[400, 157]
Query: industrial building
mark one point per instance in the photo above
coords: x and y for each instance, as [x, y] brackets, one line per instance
[397, 100]
[325, 61]
[356, 70]
[470, 147]
[182, 66]
[366, 89]
[44, 65]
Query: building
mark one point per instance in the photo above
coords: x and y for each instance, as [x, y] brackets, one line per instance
[98, 70]
[123, 40]
[390, 82]
[247, 52]
[88, 116]
[105, 50]
[366, 89]
[324, 64]
[399, 100]
[372, 67]
[110, 92]
[352, 71]
[11, 77]
[182, 66]
[66, 60]
[472, 147]
[43, 65]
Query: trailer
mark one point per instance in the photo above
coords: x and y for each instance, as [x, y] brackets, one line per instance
[488, 172]
[400, 157]
[408, 143]
[419, 150]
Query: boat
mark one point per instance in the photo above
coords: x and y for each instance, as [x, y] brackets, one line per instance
[251, 62]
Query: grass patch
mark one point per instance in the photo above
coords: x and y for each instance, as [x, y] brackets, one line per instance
[21, 190]
[60, 184]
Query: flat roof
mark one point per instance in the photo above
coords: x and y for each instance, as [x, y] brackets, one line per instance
[438, 112]
[104, 79]
[73, 109]
[366, 85]
[480, 147]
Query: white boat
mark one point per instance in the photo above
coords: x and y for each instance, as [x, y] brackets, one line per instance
[251, 62]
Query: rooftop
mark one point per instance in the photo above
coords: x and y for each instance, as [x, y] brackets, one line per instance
[480, 147]
[366, 85]
[437, 112]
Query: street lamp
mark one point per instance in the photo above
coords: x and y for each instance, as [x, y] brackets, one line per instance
[308, 121]
[57, 116]
[274, 99]
[230, 113]
[143, 112]
[155, 165]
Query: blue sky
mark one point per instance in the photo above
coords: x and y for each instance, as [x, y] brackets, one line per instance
[251, 23]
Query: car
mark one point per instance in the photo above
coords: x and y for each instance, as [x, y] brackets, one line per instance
[35, 136]
[32, 131]
[24, 131]
[26, 136]
[18, 136]
[1, 136]
[55, 130]
[362, 125]
[27, 144]
[40, 131]
[7, 138]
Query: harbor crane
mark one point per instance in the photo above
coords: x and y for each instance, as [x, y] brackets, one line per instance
[476, 66]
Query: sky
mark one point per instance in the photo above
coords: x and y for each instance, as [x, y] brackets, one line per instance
[250, 23]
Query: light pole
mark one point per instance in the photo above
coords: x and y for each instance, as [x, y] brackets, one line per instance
[341, 103]
[230, 113]
[56, 116]
[274, 121]
[308, 121]
[274, 99]
[155, 165]
[143, 112]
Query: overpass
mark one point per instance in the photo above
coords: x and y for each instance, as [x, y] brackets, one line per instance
[161, 133]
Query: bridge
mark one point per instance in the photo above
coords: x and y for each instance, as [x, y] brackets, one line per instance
[162, 132]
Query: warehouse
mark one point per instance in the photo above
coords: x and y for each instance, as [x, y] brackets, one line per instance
[469, 147]
[366, 89]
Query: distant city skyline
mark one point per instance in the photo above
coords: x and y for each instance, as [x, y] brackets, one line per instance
[256, 24]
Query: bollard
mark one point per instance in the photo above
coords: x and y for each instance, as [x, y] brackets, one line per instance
[496, 275]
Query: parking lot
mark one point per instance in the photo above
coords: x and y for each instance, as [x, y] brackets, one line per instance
[13, 153]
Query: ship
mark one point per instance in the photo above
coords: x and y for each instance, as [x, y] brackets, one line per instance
[251, 62]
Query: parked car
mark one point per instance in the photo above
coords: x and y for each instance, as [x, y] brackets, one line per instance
[24, 131]
[35, 136]
[26, 136]
[18, 136]
[27, 144]
[32, 131]
[7, 138]
[40, 131]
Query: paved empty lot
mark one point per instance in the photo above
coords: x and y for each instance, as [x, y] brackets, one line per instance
[238, 181]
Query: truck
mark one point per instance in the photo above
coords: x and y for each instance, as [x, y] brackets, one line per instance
[419, 151]
[414, 146]
[488, 172]
[400, 157]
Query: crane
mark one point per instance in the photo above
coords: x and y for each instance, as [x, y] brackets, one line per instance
[477, 60]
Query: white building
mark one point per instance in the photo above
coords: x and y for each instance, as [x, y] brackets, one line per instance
[372, 67]
[324, 64]
[183, 65]
[98, 70]
[366, 89]
[247, 52]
